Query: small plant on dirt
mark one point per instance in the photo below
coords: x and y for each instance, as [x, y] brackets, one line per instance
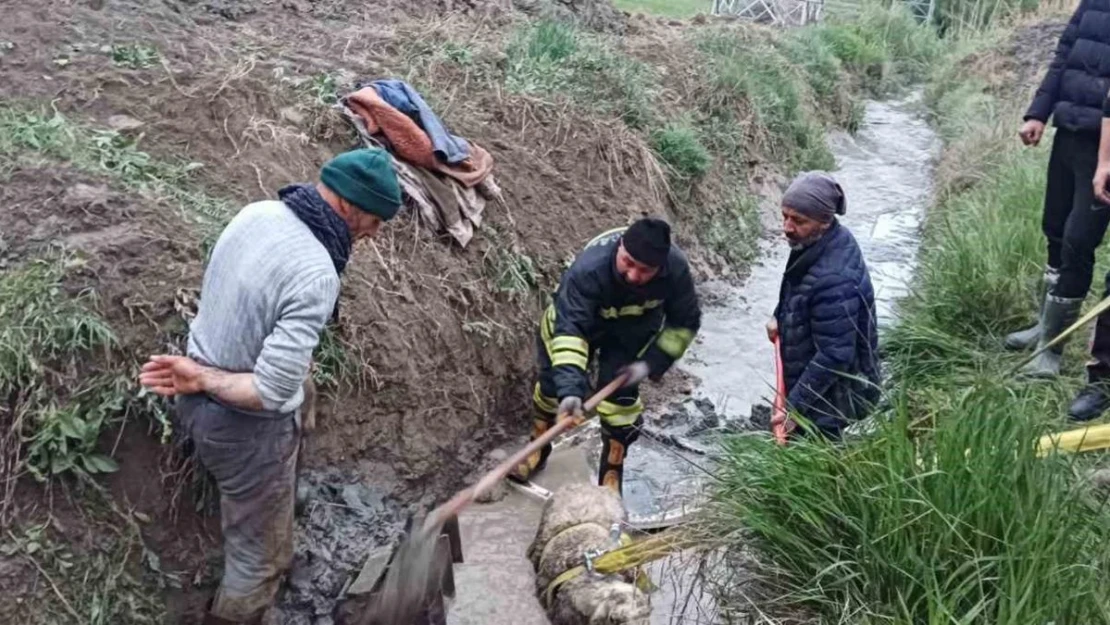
[323, 88]
[679, 147]
[43, 328]
[333, 364]
[64, 436]
[458, 53]
[732, 230]
[507, 269]
[134, 55]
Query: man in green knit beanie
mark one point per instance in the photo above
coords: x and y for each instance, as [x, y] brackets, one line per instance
[270, 286]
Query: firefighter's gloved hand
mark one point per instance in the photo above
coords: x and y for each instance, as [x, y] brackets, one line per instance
[636, 372]
[571, 408]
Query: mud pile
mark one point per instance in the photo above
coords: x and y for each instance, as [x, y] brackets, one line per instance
[340, 519]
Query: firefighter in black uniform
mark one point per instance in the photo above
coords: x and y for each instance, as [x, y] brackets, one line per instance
[629, 300]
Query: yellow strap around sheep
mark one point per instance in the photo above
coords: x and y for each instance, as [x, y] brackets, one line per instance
[636, 554]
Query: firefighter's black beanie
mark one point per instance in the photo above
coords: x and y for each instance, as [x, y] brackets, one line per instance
[648, 241]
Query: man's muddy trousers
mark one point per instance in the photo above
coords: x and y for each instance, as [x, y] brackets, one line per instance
[620, 414]
[253, 460]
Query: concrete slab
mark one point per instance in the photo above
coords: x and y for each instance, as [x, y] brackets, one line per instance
[495, 582]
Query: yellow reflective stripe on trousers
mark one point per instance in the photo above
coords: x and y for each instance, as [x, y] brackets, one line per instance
[674, 341]
[543, 403]
[616, 415]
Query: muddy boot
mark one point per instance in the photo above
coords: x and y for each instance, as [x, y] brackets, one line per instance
[1059, 313]
[536, 462]
[1027, 339]
[1090, 403]
[611, 470]
[212, 619]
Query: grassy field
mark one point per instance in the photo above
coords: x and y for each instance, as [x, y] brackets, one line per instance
[666, 8]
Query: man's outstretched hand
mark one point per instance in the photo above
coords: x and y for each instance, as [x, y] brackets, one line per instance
[172, 375]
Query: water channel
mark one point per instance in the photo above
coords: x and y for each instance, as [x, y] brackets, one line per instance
[886, 169]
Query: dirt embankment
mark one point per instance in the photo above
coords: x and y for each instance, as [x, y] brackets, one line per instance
[435, 345]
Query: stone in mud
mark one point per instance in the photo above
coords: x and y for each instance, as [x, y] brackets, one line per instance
[575, 520]
[761, 417]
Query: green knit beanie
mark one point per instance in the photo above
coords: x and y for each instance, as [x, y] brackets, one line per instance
[366, 179]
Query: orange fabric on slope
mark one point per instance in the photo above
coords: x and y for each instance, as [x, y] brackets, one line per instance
[411, 143]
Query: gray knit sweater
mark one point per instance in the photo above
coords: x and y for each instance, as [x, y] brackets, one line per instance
[268, 290]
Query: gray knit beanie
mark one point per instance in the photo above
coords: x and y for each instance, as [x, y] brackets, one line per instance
[817, 195]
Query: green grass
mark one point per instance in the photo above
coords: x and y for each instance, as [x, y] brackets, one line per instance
[963, 524]
[134, 55]
[732, 228]
[680, 148]
[43, 329]
[45, 333]
[95, 571]
[37, 134]
[549, 58]
[666, 8]
[748, 73]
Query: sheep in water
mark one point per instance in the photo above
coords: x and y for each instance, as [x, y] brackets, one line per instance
[577, 519]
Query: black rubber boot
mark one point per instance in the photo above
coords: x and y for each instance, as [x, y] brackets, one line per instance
[1090, 403]
[1027, 339]
[1059, 313]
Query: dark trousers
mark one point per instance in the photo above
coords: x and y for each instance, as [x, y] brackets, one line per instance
[254, 462]
[620, 414]
[1073, 223]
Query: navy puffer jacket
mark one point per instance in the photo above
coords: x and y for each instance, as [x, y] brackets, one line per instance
[828, 332]
[1078, 77]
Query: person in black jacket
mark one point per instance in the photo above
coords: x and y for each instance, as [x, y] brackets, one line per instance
[1094, 398]
[629, 300]
[825, 319]
[1071, 93]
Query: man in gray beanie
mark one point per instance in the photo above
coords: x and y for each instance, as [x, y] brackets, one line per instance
[825, 320]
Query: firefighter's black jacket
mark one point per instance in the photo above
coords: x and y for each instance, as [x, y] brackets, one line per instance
[594, 306]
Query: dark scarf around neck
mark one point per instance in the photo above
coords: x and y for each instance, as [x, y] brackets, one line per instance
[327, 226]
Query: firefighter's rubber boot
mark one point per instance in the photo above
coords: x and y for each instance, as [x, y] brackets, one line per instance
[1027, 339]
[1090, 403]
[610, 473]
[1059, 313]
[536, 462]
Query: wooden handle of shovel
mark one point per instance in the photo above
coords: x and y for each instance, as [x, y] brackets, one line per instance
[467, 496]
